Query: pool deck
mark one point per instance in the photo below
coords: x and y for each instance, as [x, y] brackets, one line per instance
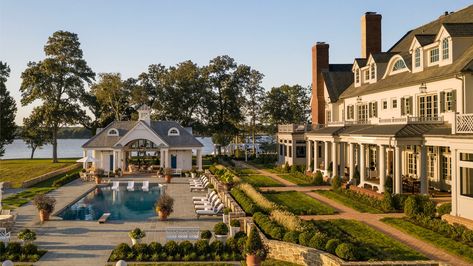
[90, 243]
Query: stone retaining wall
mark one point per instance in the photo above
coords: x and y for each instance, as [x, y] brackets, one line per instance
[41, 178]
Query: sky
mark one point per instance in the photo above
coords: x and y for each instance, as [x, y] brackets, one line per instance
[274, 37]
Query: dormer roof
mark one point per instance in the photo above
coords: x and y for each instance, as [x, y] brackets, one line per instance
[459, 29]
[361, 62]
[425, 39]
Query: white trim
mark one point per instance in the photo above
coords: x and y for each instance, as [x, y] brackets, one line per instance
[143, 124]
[177, 133]
[116, 134]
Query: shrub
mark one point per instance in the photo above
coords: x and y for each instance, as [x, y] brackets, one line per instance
[217, 247]
[44, 203]
[294, 168]
[257, 197]
[304, 238]
[245, 202]
[231, 244]
[291, 236]
[269, 227]
[171, 248]
[137, 233]
[155, 247]
[388, 187]
[13, 248]
[201, 247]
[186, 247]
[336, 182]
[445, 208]
[318, 179]
[220, 228]
[165, 204]
[332, 245]
[346, 251]
[2, 250]
[318, 241]
[27, 235]
[121, 252]
[419, 205]
[65, 179]
[235, 223]
[287, 219]
[141, 251]
[29, 249]
[388, 203]
[254, 245]
[239, 235]
[206, 234]
[241, 242]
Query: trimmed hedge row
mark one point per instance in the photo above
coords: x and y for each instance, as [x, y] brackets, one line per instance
[456, 232]
[245, 202]
[14, 251]
[390, 203]
[66, 179]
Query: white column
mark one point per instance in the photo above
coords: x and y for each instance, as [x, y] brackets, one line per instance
[316, 156]
[335, 159]
[309, 155]
[382, 167]
[352, 160]
[397, 170]
[94, 155]
[454, 184]
[424, 181]
[114, 153]
[84, 154]
[342, 159]
[362, 164]
[199, 159]
[326, 156]
[161, 158]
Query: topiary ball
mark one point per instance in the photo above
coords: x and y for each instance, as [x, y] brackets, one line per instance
[332, 245]
[346, 251]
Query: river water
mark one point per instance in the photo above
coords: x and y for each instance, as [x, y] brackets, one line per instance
[69, 148]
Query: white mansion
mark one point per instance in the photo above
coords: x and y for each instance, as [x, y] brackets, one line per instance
[406, 113]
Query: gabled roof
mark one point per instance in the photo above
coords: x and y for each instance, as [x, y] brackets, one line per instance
[459, 29]
[102, 140]
[425, 39]
[382, 57]
[337, 83]
[361, 62]
[185, 139]
[339, 67]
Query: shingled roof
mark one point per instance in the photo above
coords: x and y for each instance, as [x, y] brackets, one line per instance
[337, 83]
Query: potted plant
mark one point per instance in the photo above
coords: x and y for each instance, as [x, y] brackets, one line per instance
[118, 172]
[168, 174]
[164, 207]
[136, 235]
[225, 216]
[227, 179]
[27, 236]
[193, 173]
[221, 231]
[45, 206]
[234, 227]
[160, 172]
[255, 250]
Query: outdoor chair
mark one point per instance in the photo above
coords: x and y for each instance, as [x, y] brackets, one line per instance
[145, 186]
[131, 186]
[198, 182]
[199, 187]
[208, 206]
[207, 197]
[4, 235]
[207, 201]
[215, 211]
[116, 185]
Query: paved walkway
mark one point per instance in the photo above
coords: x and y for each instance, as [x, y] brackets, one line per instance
[90, 243]
[372, 220]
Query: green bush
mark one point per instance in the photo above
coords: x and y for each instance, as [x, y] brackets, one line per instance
[231, 245]
[171, 248]
[29, 249]
[254, 245]
[445, 208]
[318, 241]
[388, 204]
[292, 237]
[239, 235]
[65, 179]
[346, 251]
[220, 228]
[186, 247]
[318, 179]
[155, 247]
[336, 182]
[201, 247]
[217, 247]
[13, 248]
[2, 250]
[141, 251]
[332, 245]
[269, 227]
[419, 205]
[245, 202]
[206, 234]
[121, 252]
[304, 238]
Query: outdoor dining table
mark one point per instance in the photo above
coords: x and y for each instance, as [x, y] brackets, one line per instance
[6, 220]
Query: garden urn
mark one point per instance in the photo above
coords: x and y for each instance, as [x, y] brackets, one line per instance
[163, 216]
[44, 215]
[253, 260]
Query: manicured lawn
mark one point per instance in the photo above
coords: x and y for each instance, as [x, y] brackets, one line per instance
[17, 171]
[436, 239]
[359, 206]
[371, 244]
[299, 203]
[260, 181]
[247, 171]
[296, 179]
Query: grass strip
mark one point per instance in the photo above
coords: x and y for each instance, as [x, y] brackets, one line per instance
[340, 198]
[299, 203]
[436, 239]
[260, 181]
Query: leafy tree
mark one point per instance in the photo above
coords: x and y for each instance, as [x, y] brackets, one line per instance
[35, 132]
[58, 82]
[102, 115]
[254, 94]
[111, 93]
[7, 110]
[286, 104]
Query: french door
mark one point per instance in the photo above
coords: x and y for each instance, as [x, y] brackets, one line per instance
[428, 105]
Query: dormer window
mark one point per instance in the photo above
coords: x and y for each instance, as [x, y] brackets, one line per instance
[112, 132]
[372, 70]
[367, 75]
[434, 55]
[445, 50]
[399, 65]
[417, 57]
[357, 76]
[173, 132]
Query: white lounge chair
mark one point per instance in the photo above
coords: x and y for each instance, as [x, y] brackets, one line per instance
[4, 235]
[198, 181]
[199, 186]
[215, 211]
[207, 197]
[208, 206]
[212, 198]
[145, 186]
[131, 185]
[116, 185]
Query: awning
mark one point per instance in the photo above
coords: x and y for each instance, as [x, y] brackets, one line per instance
[87, 159]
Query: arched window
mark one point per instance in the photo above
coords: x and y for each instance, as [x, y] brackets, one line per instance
[173, 132]
[357, 76]
[112, 132]
[445, 50]
[399, 65]
[372, 71]
[417, 57]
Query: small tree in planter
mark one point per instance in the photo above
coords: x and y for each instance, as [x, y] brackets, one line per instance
[255, 250]
[164, 207]
[227, 179]
[168, 174]
[136, 235]
[234, 227]
[206, 234]
[27, 236]
[221, 231]
[45, 206]
[225, 216]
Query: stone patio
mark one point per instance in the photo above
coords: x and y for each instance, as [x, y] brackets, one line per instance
[90, 243]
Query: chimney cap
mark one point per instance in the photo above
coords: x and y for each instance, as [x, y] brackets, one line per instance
[371, 13]
[321, 43]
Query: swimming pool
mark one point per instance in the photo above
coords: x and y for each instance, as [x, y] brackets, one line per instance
[122, 204]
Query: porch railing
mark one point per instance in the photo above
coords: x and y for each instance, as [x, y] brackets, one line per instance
[348, 123]
[463, 123]
[289, 128]
[412, 120]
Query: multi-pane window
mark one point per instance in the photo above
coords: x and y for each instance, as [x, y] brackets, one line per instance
[466, 181]
[399, 65]
[367, 74]
[385, 104]
[431, 162]
[411, 164]
[448, 101]
[350, 112]
[445, 49]
[329, 116]
[281, 149]
[357, 76]
[300, 151]
[373, 112]
[372, 70]
[417, 57]
[290, 151]
[362, 112]
[428, 106]
[406, 106]
[446, 164]
[434, 55]
[394, 103]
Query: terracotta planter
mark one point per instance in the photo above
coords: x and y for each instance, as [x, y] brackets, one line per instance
[163, 216]
[168, 178]
[253, 260]
[44, 215]
[98, 180]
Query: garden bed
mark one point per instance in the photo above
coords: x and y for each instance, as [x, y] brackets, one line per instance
[446, 243]
[349, 202]
[299, 203]
[298, 179]
[260, 181]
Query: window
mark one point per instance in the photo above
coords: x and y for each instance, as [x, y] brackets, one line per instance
[290, 151]
[411, 164]
[367, 74]
[445, 51]
[431, 165]
[357, 76]
[281, 149]
[373, 112]
[399, 65]
[448, 101]
[406, 106]
[112, 132]
[417, 57]
[173, 132]
[362, 112]
[446, 163]
[350, 112]
[468, 157]
[385, 105]
[434, 55]
[466, 181]
[329, 116]
[372, 70]
[394, 103]
[300, 151]
[428, 106]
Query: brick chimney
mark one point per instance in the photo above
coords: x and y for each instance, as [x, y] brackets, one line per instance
[319, 63]
[370, 34]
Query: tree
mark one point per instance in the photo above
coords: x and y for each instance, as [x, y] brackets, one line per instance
[58, 82]
[35, 132]
[102, 115]
[286, 104]
[254, 94]
[111, 92]
[7, 110]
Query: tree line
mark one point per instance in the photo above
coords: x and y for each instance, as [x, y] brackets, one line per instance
[221, 99]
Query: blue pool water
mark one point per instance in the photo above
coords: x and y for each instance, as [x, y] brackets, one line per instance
[122, 204]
